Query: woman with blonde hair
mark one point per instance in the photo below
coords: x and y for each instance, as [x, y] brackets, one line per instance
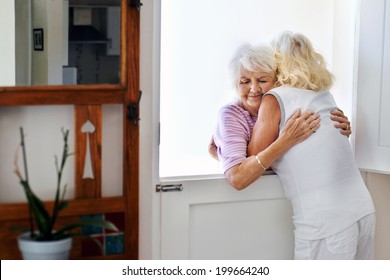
[333, 212]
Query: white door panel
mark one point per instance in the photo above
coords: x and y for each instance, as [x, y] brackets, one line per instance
[372, 141]
[209, 219]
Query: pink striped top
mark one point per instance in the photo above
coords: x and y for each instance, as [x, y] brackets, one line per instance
[232, 135]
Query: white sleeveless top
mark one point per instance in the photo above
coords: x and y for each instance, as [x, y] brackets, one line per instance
[319, 175]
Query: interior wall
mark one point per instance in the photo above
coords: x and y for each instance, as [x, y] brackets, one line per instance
[23, 44]
[47, 64]
[344, 53]
[7, 45]
[379, 186]
[39, 72]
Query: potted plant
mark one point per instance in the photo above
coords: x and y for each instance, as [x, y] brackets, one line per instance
[43, 235]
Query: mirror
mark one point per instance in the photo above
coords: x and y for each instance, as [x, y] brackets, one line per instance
[61, 42]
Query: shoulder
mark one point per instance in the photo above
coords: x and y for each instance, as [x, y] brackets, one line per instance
[232, 110]
[232, 120]
[270, 109]
[280, 90]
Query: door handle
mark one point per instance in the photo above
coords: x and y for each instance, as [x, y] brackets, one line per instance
[169, 188]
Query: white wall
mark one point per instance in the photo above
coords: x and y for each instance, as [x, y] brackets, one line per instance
[379, 186]
[7, 43]
[344, 53]
[55, 40]
[47, 64]
[23, 44]
[42, 127]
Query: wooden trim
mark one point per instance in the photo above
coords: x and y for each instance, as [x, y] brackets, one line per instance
[62, 96]
[131, 135]
[124, 35]
[88, 187]
[75, 208]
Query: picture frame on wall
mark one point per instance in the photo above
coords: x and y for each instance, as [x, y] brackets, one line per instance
[38, 39]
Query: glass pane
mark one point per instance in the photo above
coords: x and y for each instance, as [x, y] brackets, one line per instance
[60, 42]
[195, 82]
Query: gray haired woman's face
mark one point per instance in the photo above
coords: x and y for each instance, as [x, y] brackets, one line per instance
[251, 88]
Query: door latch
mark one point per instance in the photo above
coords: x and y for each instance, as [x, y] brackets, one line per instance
[132, 110]
[169, 188]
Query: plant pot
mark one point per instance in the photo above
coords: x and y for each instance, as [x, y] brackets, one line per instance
[44, 250]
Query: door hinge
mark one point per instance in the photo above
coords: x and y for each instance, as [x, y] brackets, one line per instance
[169, 188]
[135, 4]
[132, 110]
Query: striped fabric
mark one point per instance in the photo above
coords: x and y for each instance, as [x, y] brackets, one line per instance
[232, 135]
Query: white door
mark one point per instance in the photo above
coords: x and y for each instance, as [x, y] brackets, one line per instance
[205, 218]
[208, 219]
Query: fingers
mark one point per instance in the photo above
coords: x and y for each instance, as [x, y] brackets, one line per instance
[345, 128]
[213, 149]
[307, 115]
[300, 126]
[346, 132]
[338, 113]
[340, 119]
[308, 122]
[296, 114]
[314, 125]
[312, 120]
[341, 122]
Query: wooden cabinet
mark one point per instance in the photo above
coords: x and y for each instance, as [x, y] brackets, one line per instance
[88, 101]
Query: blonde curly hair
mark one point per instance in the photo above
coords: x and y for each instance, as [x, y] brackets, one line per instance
[299, 65]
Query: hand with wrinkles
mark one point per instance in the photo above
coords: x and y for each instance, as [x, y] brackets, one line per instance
[341, 122]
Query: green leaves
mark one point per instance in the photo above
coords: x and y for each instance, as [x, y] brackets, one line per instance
[82, 223]
[38, 212]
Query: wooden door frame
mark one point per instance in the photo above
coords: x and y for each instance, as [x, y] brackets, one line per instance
[88, 96]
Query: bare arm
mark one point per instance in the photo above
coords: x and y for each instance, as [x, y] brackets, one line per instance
[299, 127]
[270, 147]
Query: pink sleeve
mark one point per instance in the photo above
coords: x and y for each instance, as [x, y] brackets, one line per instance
[231, 137]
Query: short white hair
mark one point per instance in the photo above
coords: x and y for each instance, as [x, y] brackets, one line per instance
[252, 58]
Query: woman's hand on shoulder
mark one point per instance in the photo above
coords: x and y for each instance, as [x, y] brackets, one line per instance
[300, 126]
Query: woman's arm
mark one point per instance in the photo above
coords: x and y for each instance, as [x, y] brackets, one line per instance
[266, 130]
[298, 128]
